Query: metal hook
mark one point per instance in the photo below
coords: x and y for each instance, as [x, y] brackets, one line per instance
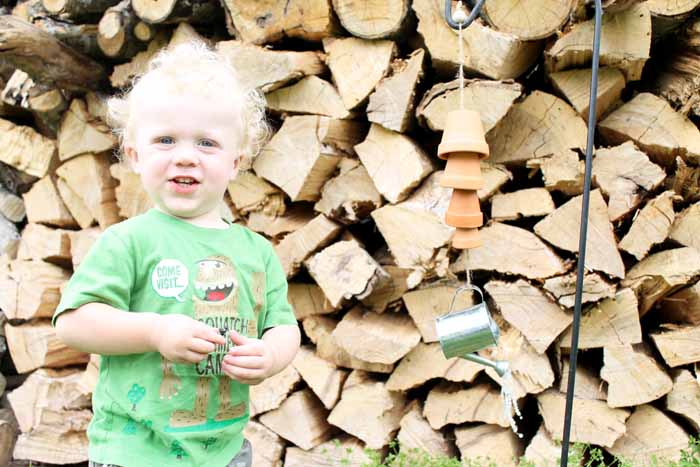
[476, 10]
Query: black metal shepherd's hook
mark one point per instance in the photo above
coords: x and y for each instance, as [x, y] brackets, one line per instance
[476, 10]
[583, 232]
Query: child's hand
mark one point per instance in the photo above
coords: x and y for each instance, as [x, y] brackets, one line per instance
[182, 339]
[250, 361]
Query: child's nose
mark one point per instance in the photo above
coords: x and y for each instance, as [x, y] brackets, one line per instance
[185, 155]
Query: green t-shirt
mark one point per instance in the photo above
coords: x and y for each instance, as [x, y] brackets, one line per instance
[152, 412]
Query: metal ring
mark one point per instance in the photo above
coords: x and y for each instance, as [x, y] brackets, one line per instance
[476, 11]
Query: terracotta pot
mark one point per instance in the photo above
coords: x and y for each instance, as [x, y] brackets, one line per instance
[464, 210]
[463, 133]
[466, 238]
[463, 170]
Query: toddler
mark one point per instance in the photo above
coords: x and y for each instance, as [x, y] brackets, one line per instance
[185, 309]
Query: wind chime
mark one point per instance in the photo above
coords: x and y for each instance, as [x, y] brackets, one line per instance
[463, 333]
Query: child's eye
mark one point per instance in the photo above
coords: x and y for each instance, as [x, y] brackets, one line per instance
[207, 143]
[165, 140]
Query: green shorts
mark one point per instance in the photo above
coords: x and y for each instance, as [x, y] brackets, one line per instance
[244, 458]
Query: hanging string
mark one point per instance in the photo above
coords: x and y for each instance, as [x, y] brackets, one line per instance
[461, 58]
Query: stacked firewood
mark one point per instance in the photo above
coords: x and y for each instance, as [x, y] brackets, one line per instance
[348, 191]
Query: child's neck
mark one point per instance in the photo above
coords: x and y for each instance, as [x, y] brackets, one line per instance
[210, 222]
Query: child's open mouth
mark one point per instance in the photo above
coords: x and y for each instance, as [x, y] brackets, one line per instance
[183, 184]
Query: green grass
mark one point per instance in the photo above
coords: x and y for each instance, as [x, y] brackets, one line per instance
[580, 455]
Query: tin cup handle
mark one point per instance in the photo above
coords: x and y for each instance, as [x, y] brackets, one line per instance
[460, 290]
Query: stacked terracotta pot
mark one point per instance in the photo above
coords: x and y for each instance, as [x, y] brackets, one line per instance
[463, 146]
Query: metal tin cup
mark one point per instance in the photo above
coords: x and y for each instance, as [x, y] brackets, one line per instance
[466, 331]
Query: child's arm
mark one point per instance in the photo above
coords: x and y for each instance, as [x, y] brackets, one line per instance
[101, 329]
[253, 360]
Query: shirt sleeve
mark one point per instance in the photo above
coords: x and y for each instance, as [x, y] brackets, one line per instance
[278, 311]
[105, 275]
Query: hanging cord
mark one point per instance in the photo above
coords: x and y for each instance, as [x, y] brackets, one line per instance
[582, 237]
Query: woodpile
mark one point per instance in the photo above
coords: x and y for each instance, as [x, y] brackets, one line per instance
[348, 191]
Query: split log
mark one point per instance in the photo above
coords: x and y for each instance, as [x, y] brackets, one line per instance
[8, 435]
[325, 379]
[375, 20]
[376, 338]
[391, 104]
[88, 175]
[53, 414]
[563, 171]
[394, 162]
[381, 411]
[273, 391]
[678, 345]
[588, 384]
[123, 74]
[495, 54]
[633, 376]
[357, 66]
[624, 174]
[23, 148]
[269, 447]
[80, 133]
[650, 433]
[350, 196]
[345, 271]
[511, 250]
[301, 419]
[388, 295]
[499, 446]
[131, 198]
[320, 332]
[11, 206]
[42, 243]
[651, 226]
[426, 362]
[517, 17]
[302, 169]
[682, 306]
[174, 11]
[38, 289]
[612, 322]
[661, 274]
[495, 176]
[344, 450]
[493, 99]
[428, 303]
[447, 403]
[116, 32]
[75, 204]
[594, 423]
[575, 87]
[293, 219]
[655, 128]
[668, 15]
[561, 229]
[308, 300]
[595, 288]
[44, 205]
[35, 345]
[529, 202]
[686, 181]
[539, 126]
[268, 70]
[45, 58]
[9, 236]
[676, 80]
[532, 372]
[625, 43]
[310, 95]
[542, 450]
[249, 193]
[261, 23]
[46, 103]
[296, 247]
[416, 433]
[686, 227]
[530, 311]
[88, 379]
[684, 399]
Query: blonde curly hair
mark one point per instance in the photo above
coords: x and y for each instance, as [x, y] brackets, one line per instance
[194, 67]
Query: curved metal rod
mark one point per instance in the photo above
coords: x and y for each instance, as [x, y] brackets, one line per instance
[472, 16]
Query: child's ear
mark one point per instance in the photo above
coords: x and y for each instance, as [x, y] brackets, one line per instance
[133, 157]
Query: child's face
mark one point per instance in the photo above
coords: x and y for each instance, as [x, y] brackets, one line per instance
[185, 148]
